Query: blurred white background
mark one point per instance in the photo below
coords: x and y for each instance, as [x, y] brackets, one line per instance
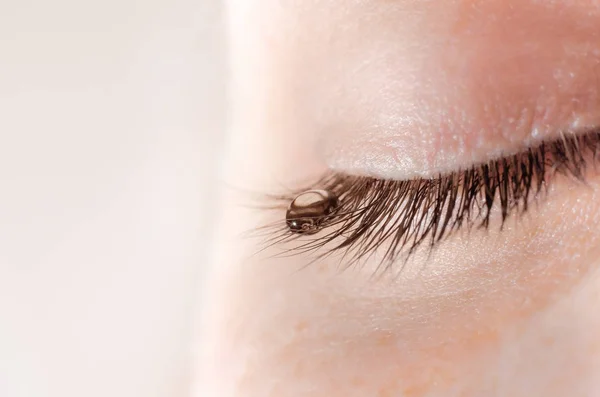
[110, 113]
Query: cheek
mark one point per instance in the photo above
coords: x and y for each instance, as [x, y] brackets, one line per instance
[283, 334]
[463, 325]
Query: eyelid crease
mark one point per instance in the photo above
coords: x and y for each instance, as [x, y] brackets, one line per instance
[400, 215]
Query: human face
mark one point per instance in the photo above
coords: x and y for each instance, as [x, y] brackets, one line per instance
[401, 90]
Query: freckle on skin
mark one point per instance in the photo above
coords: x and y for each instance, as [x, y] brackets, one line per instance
[357, 381]
[322, 268]
[415, 391]
[385, 339]
[301, 326]
[548, 340]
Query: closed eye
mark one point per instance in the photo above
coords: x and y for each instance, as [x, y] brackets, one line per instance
[393, 218]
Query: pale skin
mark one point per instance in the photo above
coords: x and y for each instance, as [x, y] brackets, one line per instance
[435, 85]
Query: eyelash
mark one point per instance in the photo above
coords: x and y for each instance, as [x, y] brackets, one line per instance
[373, 212]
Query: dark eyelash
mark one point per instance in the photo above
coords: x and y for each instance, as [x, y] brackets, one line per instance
[404, 214]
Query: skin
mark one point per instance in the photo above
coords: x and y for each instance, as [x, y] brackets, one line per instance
[509, 312]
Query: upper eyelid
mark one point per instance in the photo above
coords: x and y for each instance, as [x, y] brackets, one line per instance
[403, 214]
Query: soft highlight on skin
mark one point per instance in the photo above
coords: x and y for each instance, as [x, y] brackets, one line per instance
[483, 83]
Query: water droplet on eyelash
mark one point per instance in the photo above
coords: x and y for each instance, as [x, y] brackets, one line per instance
[307, 213]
